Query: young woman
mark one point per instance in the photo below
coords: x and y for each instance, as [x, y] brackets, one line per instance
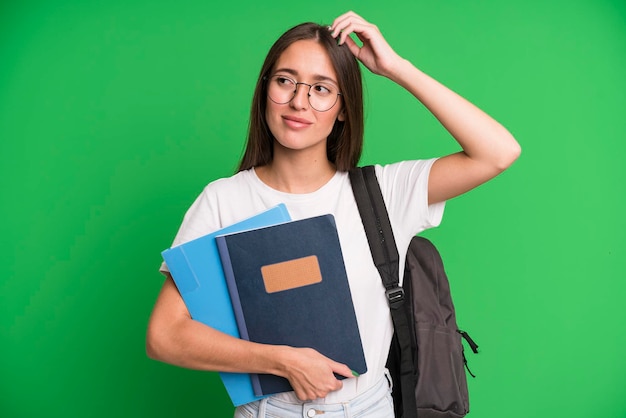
[306, 131]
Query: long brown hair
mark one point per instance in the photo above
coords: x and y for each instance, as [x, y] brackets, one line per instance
[345, 142]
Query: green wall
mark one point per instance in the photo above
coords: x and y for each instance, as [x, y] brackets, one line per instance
[114, 115]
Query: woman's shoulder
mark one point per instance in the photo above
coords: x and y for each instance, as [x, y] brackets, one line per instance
[231, 183]
[403, 169]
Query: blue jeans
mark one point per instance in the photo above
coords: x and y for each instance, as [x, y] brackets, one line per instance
[375, 402]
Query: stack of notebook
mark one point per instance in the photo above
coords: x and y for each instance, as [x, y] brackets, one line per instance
[275, 281]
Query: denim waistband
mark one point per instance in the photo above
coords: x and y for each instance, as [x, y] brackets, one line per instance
[363, 402]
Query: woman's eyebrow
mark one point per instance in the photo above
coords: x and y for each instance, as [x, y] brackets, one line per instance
[316, 77]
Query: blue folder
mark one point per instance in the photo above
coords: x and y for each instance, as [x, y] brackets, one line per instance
[197, 271]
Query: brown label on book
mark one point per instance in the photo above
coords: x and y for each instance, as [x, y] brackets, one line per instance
[291, 274]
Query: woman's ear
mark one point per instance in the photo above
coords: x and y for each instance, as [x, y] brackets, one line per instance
[341, 117]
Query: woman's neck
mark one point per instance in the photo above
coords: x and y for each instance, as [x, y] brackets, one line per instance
[297, 177]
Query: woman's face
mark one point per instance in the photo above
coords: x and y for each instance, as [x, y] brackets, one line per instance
[296, 125]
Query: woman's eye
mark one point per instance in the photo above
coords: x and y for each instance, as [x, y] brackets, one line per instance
[284, 81]
[321, 89]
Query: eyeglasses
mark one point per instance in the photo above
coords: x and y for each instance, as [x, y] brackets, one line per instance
[282, 89]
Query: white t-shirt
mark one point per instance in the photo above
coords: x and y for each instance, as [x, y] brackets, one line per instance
[405, 190]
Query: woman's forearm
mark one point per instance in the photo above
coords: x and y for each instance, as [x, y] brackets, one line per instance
[481, 137]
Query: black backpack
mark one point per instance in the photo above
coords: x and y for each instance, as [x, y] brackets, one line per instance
[426, 359]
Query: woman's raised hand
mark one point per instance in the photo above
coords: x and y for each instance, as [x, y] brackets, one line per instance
[375, 53]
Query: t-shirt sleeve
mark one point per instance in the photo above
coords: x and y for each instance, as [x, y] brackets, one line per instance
[199, 220]
[405, 189]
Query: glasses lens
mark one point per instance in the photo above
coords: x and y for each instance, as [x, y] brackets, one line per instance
[281, 89]
[322, 96]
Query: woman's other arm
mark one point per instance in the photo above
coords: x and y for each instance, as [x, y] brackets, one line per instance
[487, 147]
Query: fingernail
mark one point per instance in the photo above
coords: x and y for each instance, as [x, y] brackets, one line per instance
[355, 374]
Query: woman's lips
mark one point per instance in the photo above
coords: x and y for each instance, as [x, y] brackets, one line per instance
[296, 122]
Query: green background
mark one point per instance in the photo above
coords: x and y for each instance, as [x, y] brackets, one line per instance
[114, 115]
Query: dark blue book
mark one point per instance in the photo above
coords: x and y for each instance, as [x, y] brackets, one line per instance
[288, 286]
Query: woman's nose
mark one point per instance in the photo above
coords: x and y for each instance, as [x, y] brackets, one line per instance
[300, 98]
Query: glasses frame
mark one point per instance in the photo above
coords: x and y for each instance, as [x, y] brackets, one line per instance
[295, 91]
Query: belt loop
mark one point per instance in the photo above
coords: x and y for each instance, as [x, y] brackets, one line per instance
[262, 407]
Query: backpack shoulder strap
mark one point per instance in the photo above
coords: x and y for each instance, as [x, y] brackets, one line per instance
[382, 244]
[369, 200]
